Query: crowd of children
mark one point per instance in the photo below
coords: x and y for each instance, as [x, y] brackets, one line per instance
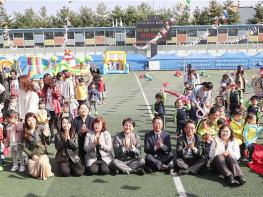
[229, 107]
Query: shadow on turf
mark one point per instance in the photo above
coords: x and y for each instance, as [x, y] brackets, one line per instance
[110, 111]
[129, 187]
[31, 195]
[99, 181]
[213, 176]
[191, 195]
[16, 174]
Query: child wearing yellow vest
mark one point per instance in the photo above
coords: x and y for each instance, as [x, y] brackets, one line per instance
[237, 125]
[43, 116]
[81, 91]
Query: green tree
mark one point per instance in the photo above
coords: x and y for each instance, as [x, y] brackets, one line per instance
[143, 11]
[204, 18]
[258, 17]
[215, 11]
[75, 20]
[27, 20]
[234, 17]
[130, 16]
[183, 17]
[102, 16]
[5, 19]
[44, 19]
[53, 22]
[117, 14]
[86, 16]
[165, 14]
[63, 15]
[196, 16]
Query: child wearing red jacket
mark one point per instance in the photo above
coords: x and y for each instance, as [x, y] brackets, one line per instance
[101, 91]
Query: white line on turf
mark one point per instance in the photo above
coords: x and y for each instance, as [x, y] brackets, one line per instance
[145, 98]
[177, 181]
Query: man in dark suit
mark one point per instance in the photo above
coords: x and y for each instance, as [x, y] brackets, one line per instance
[189, 151]
[157, 146]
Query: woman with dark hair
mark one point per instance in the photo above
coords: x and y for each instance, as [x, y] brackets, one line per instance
[36, 138]
[98, 146]
[52, 95]
[224, 153]
[241, 78]
[127, 150]
[28, 99]
[67, 156]
[200, 99]
[82, 125]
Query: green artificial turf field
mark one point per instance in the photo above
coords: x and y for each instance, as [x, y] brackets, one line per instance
[125, 99]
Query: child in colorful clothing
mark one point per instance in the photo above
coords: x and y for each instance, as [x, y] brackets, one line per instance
[208, 131]
[207, 128]
[250, 134]
[43, 115]
[223, 93]
[14, 139]
[101, 90]
[158, 107]
[180, 115]
[237, 125]
[253, 108]
[234, 98]
[93, 97]
[240, 92]
[81, 91]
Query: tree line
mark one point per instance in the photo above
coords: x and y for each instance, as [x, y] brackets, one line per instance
[103, 17]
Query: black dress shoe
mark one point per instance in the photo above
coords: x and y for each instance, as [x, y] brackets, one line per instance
[241, 180]
[182, 172]
[114, 172]
[164, 168]
[231, 181]
[140, 171]
[148, 170]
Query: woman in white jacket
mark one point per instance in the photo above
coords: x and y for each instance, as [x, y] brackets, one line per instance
[98, 146]
[28, 99]
[224, 153]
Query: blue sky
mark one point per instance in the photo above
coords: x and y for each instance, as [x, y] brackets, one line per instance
[54, 5]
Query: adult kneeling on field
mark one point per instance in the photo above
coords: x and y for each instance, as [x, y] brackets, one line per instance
[67, 156]
[36, 139]
[98, 146]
